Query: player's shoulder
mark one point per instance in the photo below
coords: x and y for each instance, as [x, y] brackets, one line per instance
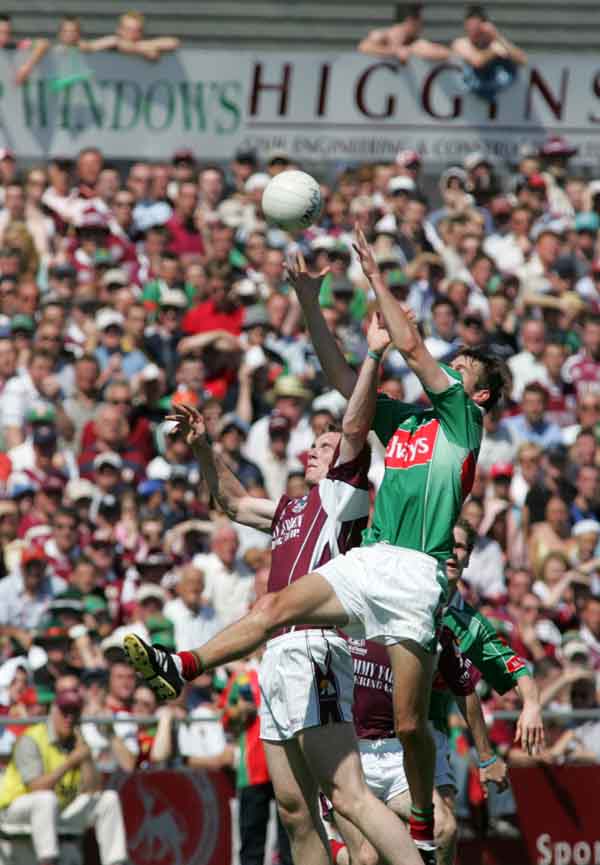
[354, 471]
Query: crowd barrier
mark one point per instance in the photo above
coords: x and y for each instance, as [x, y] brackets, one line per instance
[183, 817]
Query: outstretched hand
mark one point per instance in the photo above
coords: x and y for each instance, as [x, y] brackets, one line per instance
[378, 337]
[365, 253]
[299, 276]
[189, 423]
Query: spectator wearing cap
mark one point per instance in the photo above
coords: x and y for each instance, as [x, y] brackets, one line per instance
[532, 425]
[161, 343]
[554, 155]
[483, 183]
[175, 508]
[582, 369]
[471, 329]
[290, 401]
[107, 475]
[229, 582]
[36, 455]
[490, 59]
[110, 354]
[52, 784]
[587, 226]
[26, 593]
[527, 365]
[167, 278]
[194, 618]
[186, 239]
[92, 233]
[403, 40]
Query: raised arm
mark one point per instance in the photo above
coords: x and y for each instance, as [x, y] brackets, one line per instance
[401, 325]
[338, 371]
[222, 483]
[360, 410]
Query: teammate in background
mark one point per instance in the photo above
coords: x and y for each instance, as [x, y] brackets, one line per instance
[467, 652]
[403, 39]
[394, 585]
[306, 673]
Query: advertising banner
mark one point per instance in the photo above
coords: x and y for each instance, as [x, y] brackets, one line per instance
[177, 817]
[558, 809]
[318, 106]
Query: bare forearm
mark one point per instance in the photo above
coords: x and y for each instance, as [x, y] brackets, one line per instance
[471, 710]
[122, 754]
[360, 410]
[338, 371]
[515, 54]
[221, 481]
[404, 334]
[162, 747]
[91, 780]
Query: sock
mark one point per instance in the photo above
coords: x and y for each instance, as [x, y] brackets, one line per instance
[336, 847]
[421, 824]
[191, 665]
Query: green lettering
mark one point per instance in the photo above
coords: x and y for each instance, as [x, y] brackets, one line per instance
[199, 106]
[227, 100]
[129, 95]
[94, 107]
[157, 90]
[35, 110]
[186, 105]
[65, 111]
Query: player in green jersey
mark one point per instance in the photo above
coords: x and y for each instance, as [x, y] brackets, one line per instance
[393, 586]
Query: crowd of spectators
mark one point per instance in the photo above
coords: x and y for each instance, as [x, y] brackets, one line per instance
[122, 294]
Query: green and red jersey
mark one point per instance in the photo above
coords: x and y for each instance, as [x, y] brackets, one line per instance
[430, 461]
[252, 768]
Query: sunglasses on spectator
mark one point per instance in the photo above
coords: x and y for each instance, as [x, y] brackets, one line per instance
[122, 401]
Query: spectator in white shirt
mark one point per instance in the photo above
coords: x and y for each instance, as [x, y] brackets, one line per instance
[194, 618]
[21, 393]
[527, 366]
[510, 250]
[229, 583]
[26, 594]
[444, 338]
[485, 572]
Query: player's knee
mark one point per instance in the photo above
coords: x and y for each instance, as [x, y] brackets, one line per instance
[294, 815]
[346, 802]
[367, 854]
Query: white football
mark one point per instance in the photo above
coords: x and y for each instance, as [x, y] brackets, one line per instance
[292, 200]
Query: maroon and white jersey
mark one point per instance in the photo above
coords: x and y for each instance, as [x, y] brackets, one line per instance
[373, 708]
[583, 372]
[309, 531]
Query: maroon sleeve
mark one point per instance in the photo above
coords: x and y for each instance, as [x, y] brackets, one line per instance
[355, 471]
[458, 672]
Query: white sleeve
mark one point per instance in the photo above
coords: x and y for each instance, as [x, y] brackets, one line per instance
[204, 738]
[13, 404]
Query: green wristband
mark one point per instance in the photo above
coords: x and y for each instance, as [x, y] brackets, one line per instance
[374, 356]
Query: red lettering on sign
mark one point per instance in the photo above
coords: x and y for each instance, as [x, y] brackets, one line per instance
[406, 449]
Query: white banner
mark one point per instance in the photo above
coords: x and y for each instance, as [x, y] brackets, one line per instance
[324, 107]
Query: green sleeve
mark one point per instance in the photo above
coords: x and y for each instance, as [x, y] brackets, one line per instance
[233, 693]
[499, 665]
[458, 415]
[389, 413]
[151, 292]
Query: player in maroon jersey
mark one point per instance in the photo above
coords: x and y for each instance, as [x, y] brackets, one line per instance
[306, 673]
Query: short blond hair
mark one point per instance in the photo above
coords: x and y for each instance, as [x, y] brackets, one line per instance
[133, 13]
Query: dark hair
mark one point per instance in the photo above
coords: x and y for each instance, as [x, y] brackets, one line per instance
[66, 511]
[536, 387]
[590, 318]
[444, 301]
[475, 10]
[494, 376]
[470, 532]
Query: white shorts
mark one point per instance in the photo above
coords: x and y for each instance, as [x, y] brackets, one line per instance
[383, 764]
[390, 593]
[306, 680]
